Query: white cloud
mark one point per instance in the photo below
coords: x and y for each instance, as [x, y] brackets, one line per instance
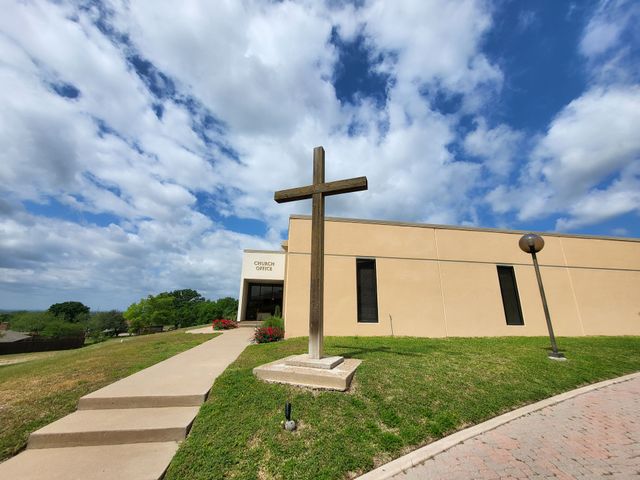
[434, 42]
[586, 167]
[608, 42]
[605, 28]
[591, 141]
[594, 136]
[270, 81]
[49, 260]
[620, 197]
[497, 146]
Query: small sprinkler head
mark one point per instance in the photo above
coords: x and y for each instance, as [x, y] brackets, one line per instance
[289, 425]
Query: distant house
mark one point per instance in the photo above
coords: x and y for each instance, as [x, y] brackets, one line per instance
[11, 337]
[18, 342]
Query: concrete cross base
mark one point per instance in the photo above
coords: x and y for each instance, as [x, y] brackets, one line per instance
[305, 361]
[282, 371]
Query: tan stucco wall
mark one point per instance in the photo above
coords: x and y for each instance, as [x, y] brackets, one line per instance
[437, 281]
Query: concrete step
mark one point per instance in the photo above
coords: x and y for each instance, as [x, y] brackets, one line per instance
[250, 323]
[141, 401]
[182, 380]
[138, 461]
[115, 426]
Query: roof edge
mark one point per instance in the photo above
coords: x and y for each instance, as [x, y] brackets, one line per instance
[468, 229]
[248, 250]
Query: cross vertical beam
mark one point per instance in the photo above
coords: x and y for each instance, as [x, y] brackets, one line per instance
[316, 192]
[316, 314]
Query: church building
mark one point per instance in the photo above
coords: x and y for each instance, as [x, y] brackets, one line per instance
[409, 279]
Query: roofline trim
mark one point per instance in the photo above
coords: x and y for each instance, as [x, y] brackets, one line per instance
[281, 252]
[468, 229]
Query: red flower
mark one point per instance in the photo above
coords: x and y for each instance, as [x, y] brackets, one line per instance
[268, 334]
[224, 324]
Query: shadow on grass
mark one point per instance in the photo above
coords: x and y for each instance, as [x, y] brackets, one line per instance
[358, 351]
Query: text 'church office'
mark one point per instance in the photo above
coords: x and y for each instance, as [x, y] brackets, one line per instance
[384, 278]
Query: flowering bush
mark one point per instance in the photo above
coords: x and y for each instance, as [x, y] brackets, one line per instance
[268, 334]
[224, 324]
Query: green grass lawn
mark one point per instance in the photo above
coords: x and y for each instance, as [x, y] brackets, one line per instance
[406, 393]
[47, 385]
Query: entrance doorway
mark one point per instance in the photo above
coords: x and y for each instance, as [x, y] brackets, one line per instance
[262, 299]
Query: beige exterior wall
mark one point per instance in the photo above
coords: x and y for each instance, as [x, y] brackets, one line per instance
[437, 281]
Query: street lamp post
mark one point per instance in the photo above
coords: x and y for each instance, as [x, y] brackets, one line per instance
[532, 243]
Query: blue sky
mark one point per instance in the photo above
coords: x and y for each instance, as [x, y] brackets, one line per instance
[142, 142]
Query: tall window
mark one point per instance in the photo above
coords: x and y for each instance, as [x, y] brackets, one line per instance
[367, 290]
[510, 298]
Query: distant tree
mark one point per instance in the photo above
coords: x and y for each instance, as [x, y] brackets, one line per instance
[58, 328]
[163, 310]
[228, 307]
[106, 323]
[208, 311]
[158, 310]
[178, 308]
[45, 324]
[31, 322]
[70, 311]
[186, 296]
[137, 315]
[186, 306]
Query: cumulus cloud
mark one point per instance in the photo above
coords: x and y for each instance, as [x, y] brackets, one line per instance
[46, 260]
[605, 28]
[585, 167]
[497, 146]
[592, 138]
[609, 41]
[278, 106]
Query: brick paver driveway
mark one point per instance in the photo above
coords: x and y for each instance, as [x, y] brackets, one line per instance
[594, 435]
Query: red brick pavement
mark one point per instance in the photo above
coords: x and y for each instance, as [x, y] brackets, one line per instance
[594, 435]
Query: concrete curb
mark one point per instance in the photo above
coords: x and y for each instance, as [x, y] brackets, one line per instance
[423, 454]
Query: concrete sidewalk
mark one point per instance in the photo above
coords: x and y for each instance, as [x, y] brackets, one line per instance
[131, 429]
[591, 432]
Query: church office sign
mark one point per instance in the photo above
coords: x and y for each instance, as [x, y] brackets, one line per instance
[264, 265]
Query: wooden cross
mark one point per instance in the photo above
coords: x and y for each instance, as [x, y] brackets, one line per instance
[317, 191]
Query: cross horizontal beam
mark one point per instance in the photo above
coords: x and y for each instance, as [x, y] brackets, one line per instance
[327, 188]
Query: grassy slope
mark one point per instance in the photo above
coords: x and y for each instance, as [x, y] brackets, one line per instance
[407, 392]
[37, 392]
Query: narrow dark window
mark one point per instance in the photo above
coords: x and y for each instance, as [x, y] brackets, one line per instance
[367, 290]
[510, 298]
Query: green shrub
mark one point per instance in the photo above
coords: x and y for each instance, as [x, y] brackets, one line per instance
[46, 325]
[106, 324]
[273, 321]
[58, 328]
[30, 322]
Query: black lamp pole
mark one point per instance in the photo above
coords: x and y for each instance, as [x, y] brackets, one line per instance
[532, 243]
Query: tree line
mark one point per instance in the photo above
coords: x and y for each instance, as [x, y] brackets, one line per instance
[179, 308]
